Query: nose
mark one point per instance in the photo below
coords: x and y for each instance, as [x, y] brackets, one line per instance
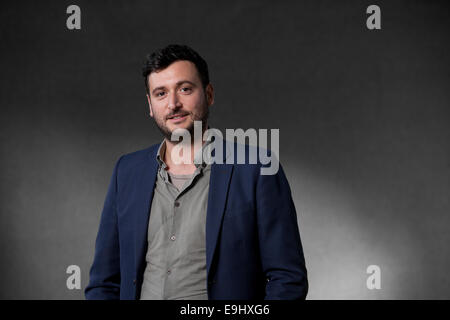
[174, 102]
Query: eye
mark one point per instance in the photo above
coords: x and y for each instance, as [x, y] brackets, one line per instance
[160, 93]
[186, 89]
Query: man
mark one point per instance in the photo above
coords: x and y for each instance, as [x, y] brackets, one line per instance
[193, 230]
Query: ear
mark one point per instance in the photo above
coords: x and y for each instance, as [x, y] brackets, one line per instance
[150, 106]
[209, 94]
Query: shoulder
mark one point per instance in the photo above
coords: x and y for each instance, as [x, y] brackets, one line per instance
[249, 159]
[144, 156]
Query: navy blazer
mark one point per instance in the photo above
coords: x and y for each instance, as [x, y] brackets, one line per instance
[253, 246]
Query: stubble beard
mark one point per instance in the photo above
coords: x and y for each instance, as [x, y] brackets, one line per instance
[203, 117]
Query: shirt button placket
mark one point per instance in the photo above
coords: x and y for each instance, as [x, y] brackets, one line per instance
[176, 205]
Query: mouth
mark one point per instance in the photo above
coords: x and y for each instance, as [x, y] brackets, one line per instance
[177, 117]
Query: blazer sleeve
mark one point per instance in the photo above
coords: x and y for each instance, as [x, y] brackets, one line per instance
[279, 237]
[104, 276]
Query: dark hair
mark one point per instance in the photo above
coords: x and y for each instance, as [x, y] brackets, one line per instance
[162, 58]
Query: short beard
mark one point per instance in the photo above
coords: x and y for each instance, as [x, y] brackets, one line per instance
[168, 134]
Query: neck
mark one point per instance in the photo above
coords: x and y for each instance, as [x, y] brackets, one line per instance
[196, 143]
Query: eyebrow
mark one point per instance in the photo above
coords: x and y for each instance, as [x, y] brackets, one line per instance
[179, 83]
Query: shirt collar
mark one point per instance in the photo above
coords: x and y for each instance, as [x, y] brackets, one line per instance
[162, 150]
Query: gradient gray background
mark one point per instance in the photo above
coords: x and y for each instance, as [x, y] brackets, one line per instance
[363, 118]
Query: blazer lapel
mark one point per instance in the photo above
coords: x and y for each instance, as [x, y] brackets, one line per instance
[144, 197]
[217, 197]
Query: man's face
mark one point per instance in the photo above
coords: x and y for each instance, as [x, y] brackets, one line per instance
[177, 97]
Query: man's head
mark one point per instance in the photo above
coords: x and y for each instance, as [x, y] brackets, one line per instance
[178, 88]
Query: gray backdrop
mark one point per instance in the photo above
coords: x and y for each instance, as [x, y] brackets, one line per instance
[363, 118]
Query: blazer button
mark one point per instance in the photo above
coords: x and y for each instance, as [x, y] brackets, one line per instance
[134, 281]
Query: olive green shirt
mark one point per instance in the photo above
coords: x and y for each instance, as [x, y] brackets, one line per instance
[176, 254]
